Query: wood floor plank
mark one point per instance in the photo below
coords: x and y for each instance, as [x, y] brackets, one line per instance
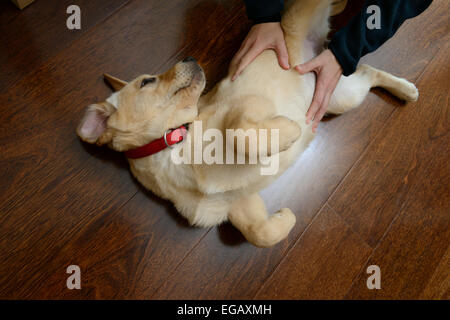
[52, 196]
[321, 265]
[125, 254]
[236, 270]
[68, 197]
[406, 171]
[32, 36]
[438, 286]
[375, 191]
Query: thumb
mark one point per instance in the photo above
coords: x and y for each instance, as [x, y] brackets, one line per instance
[282, 54]
[307, 66]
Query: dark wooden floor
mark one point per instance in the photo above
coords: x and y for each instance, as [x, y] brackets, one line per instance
[372, 189]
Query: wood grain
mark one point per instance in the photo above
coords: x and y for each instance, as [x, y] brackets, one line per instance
[391, 171]
[321, 265]
[131, 248]
[438, 287]
[409, 173]
[32, 36]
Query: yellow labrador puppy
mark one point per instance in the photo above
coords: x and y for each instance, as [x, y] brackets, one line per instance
[155, 117]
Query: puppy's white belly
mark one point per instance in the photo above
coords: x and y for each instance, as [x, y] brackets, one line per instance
[290, 92]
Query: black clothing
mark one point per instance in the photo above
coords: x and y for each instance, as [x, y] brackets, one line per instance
[354, 40]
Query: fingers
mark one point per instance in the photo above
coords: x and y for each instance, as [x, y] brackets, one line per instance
[245, 46]
[261, 36]
[309, 66]
[318, 98]
[328, 88]
[322, 110]
[248, 57]
[248, 53]
[282, 54]
[238, 56]
[328, 72]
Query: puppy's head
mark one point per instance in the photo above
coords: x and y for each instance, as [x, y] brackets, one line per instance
[143, 109]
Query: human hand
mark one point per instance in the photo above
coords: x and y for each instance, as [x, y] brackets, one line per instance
[328, 72]
[261, 37]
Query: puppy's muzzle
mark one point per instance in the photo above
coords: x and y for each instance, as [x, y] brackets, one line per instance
[190, 73]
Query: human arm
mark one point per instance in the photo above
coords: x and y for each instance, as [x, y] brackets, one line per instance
[352, 42]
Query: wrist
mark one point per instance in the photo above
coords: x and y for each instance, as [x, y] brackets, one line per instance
[334, 59]
[272, 18]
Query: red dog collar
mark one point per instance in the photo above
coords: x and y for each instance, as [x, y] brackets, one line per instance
[171, 137]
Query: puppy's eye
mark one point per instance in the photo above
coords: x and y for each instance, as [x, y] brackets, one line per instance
[147, 81]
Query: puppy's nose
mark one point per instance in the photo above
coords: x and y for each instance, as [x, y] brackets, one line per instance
[189, 59]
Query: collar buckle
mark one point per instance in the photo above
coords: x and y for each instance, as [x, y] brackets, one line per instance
[165, 138]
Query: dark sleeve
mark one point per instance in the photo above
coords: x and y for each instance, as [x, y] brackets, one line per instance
[261, 11]
[356, 40]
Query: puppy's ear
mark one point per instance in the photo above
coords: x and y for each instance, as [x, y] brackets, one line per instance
[114, 82]
[93, 127]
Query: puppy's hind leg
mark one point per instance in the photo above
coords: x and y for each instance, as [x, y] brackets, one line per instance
[250, 216]
[352, 90]
[399, 87]
[301, 19]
